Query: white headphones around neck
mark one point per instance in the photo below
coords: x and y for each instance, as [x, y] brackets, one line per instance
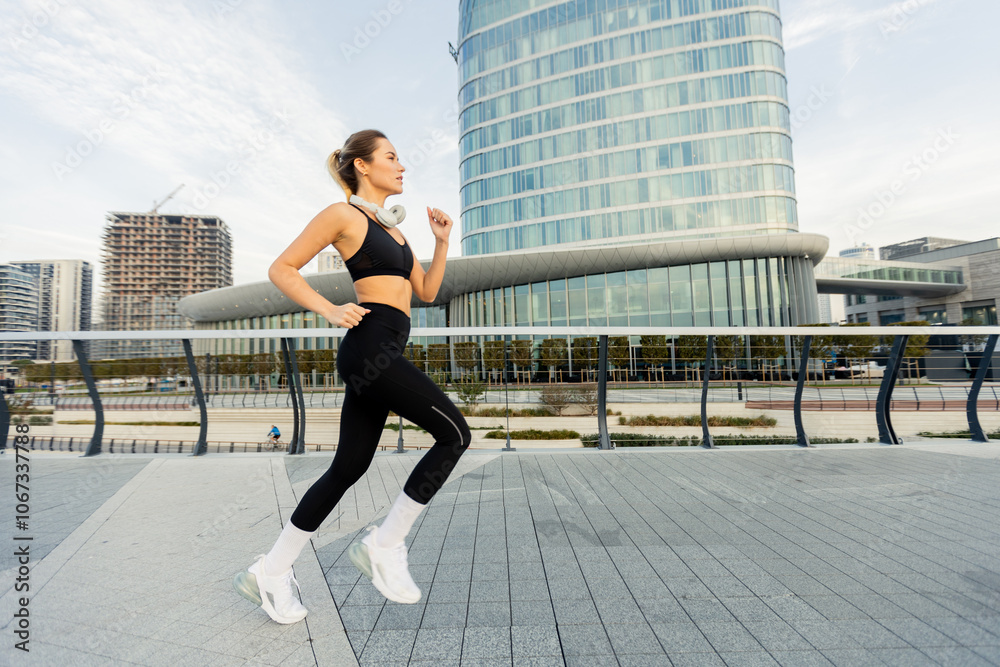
[389, 217]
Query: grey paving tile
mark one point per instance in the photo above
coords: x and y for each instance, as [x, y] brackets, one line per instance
[389, 646]
[400, 617]
[486, 643]
[580, 640]
[535, 612]
[702, 610]
[535, 640]
[681, 638]
[902, 657]
[958, 656]
[575, 612]
[450, 615]
[647, 660]
[489, 614]
[777, 635]
[729, 636]
[749, 659]
[696, 659]
[529, 589]
[449, 591]
[801, 659]
[438, 644]
[538, 661]
[637, 638]
[360, 617]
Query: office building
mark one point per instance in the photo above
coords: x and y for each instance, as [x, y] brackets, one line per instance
[18, 311]
[65, 294]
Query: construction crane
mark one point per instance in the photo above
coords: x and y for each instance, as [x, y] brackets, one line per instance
[157, 205]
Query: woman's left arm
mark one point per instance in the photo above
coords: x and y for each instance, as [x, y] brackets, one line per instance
[426, 284]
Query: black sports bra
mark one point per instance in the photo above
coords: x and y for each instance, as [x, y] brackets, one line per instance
[379, 255]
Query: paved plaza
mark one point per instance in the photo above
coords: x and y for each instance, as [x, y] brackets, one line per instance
[835, 555]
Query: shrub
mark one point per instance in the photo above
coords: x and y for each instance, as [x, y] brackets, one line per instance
[643, 440]
[695, 420]
[557, 397]
[533, 434]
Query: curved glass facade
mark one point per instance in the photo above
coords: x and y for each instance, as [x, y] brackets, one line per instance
[584, 121]
[770, 291]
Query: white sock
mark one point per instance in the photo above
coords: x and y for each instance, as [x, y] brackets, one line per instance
[284, 552]
[397, 524]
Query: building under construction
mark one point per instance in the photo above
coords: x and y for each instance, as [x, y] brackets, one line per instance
[151, 261]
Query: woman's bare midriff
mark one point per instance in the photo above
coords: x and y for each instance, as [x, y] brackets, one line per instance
[391, 290]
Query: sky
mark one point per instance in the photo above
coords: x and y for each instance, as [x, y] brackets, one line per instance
[113, 105]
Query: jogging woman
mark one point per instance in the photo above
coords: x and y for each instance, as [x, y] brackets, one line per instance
[377, 376]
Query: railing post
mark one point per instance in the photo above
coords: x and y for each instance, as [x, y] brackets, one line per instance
[94, 447]
[286, 354]
[603, 439]
[202, 445]
[706, 436]
[972, 404]
[506, 398]
[5, 419]
[399, 440]
[800, 431]
[298, 444]
[886, 434]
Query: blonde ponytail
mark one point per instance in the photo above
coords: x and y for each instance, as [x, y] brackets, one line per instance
[340, 164]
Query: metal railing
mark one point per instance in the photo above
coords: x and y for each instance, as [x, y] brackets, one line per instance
[799, 358]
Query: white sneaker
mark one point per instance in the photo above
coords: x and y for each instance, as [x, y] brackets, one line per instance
[274, 594]
[386, 567]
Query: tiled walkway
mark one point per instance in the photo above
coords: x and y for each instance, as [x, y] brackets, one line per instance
[830, 556]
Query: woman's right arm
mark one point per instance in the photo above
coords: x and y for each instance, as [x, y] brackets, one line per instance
[326, 228]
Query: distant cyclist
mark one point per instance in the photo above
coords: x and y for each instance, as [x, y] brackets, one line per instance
[273, 435]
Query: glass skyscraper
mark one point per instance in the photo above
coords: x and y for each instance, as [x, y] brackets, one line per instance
[592, 122]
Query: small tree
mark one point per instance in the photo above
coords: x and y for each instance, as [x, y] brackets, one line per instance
[916, 346]
[520, 355]
[493, 357]
[585, 351]
[417, 355]
[655, 351]
[439, 358]
[767, 349]
[822, 346]
[691, 350]
[858, 348]
[728, 350]
[618, 354]
[470, 391]
[467, 356]
[552, 354]
[556, 397]
[585, 396]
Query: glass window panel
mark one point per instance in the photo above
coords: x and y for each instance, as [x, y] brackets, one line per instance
[539, 304]
[577, 307]
[750, 291]
[597, 314]
[617, 305]
[680, 295]
[638, 304]
[699, 284]
[521, 306]
[616, 279]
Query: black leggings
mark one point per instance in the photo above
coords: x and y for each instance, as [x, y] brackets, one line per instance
[380, 379]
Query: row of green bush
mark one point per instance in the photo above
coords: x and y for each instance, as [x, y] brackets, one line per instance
[644, 440]
[695, 420]
[33, 420]
[957, 434]
[533, 434]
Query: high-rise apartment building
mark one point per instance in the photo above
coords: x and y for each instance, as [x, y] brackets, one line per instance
[18, 311]
[65, 293]
[151, 261]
